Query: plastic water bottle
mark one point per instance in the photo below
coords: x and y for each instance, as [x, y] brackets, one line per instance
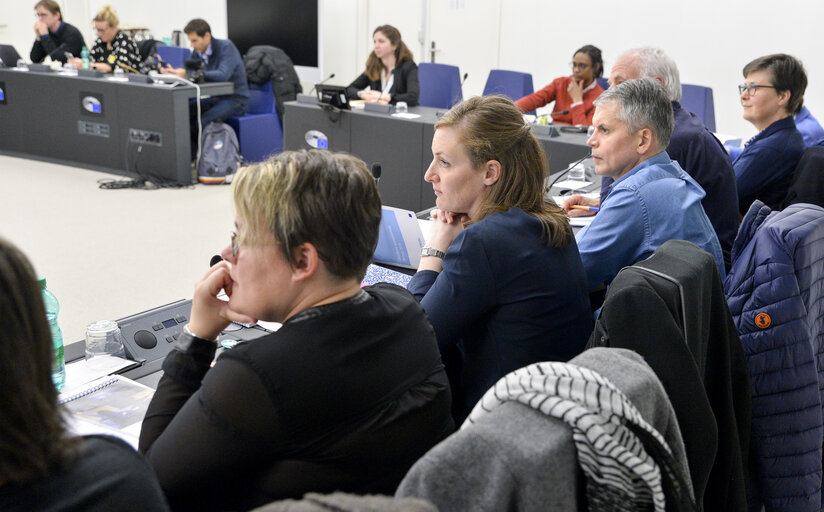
[59, 362]
[84, 58]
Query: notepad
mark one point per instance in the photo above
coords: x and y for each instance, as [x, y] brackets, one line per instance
[111, 405]
[400, 238]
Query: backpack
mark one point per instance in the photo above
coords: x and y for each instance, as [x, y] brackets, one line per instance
[264, 63]
[219, 154]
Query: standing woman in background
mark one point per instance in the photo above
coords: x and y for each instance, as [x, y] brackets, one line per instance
[112, 46]
[42, 466]
[571, 94]
[391, 73]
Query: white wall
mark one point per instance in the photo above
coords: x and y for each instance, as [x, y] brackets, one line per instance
[711, 40]
[161, 17]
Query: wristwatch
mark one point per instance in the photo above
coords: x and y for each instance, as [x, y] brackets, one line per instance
[429, 251]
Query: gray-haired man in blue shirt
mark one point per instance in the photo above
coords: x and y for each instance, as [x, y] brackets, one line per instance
[652, 199]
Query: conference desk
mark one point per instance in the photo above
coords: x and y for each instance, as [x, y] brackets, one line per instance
[402, 146]
[99, 123]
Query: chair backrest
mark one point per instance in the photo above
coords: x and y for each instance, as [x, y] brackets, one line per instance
[603, 82]
[698, 100]
[809, 126]
[174, 55]
[440, 85]
[512, 84]
[808, 179]
[261, 99]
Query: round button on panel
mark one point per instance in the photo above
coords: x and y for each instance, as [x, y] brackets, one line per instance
[145, 339]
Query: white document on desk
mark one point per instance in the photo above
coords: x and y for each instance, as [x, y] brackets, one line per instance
[573, 184]
[111, 405]
[406, 115]
[78, 372]
[581, 221]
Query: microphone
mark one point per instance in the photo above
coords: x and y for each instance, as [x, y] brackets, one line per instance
[215, 260]
[464, 79]
[321, 82]
[376, 172]
[559, 112]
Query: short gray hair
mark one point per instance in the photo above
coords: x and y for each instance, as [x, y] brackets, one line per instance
[642, 103]
[654, 62]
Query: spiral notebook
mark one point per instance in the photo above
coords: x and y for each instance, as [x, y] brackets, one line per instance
[113, 405]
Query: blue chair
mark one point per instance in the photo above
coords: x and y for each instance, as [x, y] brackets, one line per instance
[440, 85]
[698, 100]
[259, 130]
[174, 55]
[603, 82]
[512, 84]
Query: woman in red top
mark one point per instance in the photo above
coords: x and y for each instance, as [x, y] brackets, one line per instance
[573, 95]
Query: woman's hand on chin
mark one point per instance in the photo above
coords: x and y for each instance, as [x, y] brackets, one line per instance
[445, 227]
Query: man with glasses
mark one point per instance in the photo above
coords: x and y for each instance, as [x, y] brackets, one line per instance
[55, 38]
[772, 93]
[692, 145]
[652, 199]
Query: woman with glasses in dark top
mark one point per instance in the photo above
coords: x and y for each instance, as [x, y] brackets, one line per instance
[772, 93]
[345, 396]
[573, 95]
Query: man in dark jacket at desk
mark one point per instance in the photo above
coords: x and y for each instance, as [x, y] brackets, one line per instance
[222, 63]
[55, 37]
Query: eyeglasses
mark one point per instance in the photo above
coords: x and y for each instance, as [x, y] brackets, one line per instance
[752, 89]
[235, 244]
[40, 14]
[579, 65]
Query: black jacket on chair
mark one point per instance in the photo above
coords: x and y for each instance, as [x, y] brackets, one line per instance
[808, 179]
[671, 309]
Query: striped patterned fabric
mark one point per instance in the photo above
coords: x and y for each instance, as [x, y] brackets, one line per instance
[620, 474]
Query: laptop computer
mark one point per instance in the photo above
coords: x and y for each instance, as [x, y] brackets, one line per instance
[9, 55]
[400, 239]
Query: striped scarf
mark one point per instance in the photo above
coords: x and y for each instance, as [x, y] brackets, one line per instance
[620, 474]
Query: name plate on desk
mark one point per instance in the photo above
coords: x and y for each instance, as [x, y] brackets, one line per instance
[40, 68]
[89, 73]
[545, 129]
[380, 108]
[138, 78]
[307, 99]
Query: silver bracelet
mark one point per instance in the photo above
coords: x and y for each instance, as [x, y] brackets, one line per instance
[429, 251]
[188, 331]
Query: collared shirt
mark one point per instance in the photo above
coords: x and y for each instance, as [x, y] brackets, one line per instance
[56, 32]
[205, 55]
[764, 170]
[702, 156]
[654, 202]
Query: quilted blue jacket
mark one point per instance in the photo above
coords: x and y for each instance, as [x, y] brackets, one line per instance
[775, 291]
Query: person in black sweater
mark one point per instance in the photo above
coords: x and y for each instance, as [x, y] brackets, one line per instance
[391, 73]
[346, 395]
[42, 465]
[55, 37]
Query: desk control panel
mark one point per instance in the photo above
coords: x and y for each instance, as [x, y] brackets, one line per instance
[150, 335]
